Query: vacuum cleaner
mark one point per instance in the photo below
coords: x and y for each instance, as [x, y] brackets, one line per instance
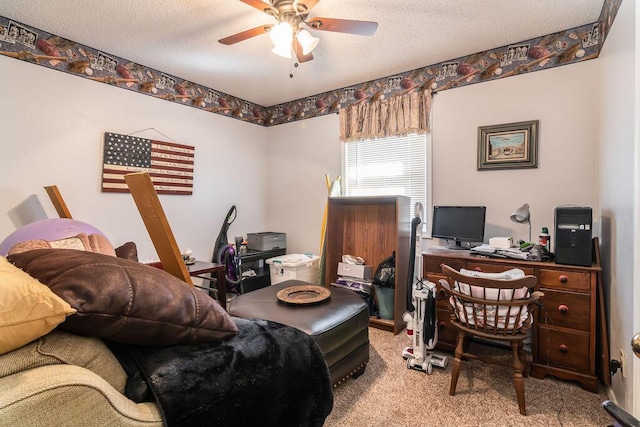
[224, 253]
[421, 317]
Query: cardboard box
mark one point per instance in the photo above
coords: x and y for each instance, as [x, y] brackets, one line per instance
[353, 270]
[354, 284]
[501, 242]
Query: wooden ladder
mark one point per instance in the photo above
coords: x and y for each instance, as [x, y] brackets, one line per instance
[58, 201]
[146, 199]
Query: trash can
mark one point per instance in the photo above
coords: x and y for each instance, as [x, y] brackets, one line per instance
[384, 283]
[385, 298]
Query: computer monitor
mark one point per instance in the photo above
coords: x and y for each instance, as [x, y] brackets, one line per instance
[462, 224]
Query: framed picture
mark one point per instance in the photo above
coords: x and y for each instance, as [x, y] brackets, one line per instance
[508, 146]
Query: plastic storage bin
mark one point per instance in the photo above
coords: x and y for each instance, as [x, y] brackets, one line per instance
[385, 297]
[294, 266]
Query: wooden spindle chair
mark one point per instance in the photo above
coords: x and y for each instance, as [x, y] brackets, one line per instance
[493, 309]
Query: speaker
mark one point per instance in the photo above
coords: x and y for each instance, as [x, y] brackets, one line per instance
[573, 235]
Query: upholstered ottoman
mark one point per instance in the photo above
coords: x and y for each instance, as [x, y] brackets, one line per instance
[339, 325]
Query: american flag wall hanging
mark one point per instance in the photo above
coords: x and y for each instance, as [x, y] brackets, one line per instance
[170, 165]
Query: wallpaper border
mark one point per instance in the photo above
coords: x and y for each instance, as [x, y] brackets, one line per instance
[26, 43]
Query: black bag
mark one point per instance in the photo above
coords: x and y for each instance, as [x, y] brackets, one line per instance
[385, 276]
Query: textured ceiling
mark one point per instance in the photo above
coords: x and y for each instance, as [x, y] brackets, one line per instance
[180, 37]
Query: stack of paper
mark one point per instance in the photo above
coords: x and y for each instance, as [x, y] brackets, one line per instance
[487, 250]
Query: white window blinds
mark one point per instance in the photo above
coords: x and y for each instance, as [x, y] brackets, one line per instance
[398, 165]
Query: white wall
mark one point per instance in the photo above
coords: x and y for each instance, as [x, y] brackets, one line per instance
[276, 176]
[564, 102]
[54, 137]
[618, 154]
[562, 99]
[299, 156]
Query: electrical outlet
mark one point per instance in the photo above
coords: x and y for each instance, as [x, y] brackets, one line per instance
[622, 360]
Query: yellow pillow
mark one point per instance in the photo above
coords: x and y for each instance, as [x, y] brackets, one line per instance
[28, 309]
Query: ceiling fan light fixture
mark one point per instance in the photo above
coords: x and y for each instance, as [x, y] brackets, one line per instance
[291, 25]
[307, 41]
[283, 50]
[281, 34]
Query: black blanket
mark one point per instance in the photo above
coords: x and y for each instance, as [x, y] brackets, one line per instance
[267, 375]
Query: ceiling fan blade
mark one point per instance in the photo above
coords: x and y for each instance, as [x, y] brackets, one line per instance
[362, 28]
[259, 4]
[297, 47]
[303, 7]
[245, 34]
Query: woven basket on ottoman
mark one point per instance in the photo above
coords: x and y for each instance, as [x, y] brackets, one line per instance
[339, 324]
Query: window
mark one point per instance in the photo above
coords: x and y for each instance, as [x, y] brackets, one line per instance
[391, 166]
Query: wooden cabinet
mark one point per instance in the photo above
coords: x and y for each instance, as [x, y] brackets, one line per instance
[567, 339]
[371, 228]
[566, 328]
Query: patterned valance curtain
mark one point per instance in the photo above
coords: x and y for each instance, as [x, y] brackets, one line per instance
[397, 116]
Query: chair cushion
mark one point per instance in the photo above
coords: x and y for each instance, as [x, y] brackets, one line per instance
[28, 309]
[69, 395]
[476, 291]
[125, 301]
[60, 347]
[491, 294]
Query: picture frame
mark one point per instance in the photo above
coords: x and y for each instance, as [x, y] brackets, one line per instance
[508, 146]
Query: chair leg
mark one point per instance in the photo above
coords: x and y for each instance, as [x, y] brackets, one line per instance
[518, 381]
[457, 363]
[523, 359]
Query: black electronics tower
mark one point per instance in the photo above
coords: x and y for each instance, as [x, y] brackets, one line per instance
[573, 235]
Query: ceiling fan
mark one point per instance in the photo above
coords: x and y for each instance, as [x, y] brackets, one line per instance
[290, 32]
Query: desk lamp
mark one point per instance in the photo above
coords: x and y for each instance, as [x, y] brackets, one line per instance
[522, 215]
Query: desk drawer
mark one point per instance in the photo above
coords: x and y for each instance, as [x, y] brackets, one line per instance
[496, 268]
[564, 349]
[447, 333]
[432, 264]
[559, 279]
[566, 309]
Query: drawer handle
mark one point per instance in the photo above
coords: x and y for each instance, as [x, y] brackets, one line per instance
[442, 325]
[563, 279]
[564, 309]
[564, 349]
[477, 269]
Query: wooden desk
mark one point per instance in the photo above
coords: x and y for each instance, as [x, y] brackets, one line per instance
[566, 334]
[204, 270]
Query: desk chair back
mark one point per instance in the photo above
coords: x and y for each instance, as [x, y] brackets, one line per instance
[494, 307]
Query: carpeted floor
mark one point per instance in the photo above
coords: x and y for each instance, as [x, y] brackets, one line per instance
[390, 395]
